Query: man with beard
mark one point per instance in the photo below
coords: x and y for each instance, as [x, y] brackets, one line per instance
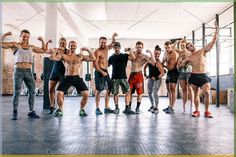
[102, 79]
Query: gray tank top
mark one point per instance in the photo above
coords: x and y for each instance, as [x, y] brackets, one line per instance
[23, 55]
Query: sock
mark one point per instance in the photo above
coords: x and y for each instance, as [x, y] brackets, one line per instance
[138, 104]
[117, 106]
[130, 104]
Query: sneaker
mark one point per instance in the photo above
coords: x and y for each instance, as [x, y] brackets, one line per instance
[14, 115]
[155, 110]
[165, 109]
[33, 115]
[51, 110]
[137, 110]
[196, 114]
[151, 109]
[59, 113]
[82, 113]
[207, 114]
[128, 111]
[170, 110]
[98, 112]
[116, 111]
[108, 110]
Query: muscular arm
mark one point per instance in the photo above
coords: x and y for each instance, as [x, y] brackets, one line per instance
[90, 57]
[144, 69]
[152, 60]
[180, 63]
[8, 45]
[161, 69]
[38, 49]
[131, 55]
[173, 62]
[209, 46]
[55, 56]
[110, 46]
[97, 54]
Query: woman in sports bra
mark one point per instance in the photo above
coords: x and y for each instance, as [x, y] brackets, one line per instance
[22, 69]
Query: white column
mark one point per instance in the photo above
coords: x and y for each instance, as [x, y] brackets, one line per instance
[51, 23]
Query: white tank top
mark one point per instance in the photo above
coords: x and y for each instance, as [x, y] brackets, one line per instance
[23, 55]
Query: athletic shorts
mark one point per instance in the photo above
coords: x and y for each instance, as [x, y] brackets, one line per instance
[101, 82]
[74, 81]
[184, 76]
[54, 76]
[199, 79]
[116, 83]
[136, 82]
[172, 76]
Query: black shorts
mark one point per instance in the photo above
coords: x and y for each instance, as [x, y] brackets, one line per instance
[101, 82]
[55, 76]
[172, 76]
[75, 81]
[199, 79]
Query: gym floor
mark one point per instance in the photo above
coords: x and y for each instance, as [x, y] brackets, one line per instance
[145, 133]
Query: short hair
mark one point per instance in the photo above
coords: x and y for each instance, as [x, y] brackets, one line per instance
[139, 43]
[188, 43]
[102, 38]
[72, 41]
[183, 41]
[157, 47]
[62, 38]
[167, 43]
[24, 31]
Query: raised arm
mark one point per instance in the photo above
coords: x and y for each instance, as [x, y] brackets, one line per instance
[174, 46]
[110, 46]
[131, 54]
[8, 45]
[209, 46]
[152, 60]
[38, 49]
[55, 55]
[90, 57]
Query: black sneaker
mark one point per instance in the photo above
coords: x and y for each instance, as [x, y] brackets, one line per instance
[51, 110]
[108, 110]
[57, 111]
[155, 111]
[165, 109]
[33, 115]
[82, 113]
[137, 110]
[170, 110]
[151, 109]
[14, 115]
[128, 111]
[116, 111]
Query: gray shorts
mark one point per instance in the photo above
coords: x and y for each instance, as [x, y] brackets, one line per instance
[184, 76]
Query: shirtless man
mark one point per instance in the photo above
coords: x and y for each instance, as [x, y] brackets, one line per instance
[72, 64]
[136, 76]
[199, 78]
[170, 59]
[102, 79]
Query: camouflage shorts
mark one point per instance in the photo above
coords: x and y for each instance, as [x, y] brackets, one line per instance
[119, 82]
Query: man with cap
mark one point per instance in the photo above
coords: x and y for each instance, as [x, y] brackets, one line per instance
[119, 63]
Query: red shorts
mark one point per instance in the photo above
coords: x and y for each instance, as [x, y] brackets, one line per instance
[136, 82]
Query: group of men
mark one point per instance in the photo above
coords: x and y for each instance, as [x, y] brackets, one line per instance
[187, 64]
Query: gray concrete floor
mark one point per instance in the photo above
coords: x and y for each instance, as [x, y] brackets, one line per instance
[145, 133]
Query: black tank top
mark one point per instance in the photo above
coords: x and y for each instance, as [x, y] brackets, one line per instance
[58, 66]
[153, 71]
